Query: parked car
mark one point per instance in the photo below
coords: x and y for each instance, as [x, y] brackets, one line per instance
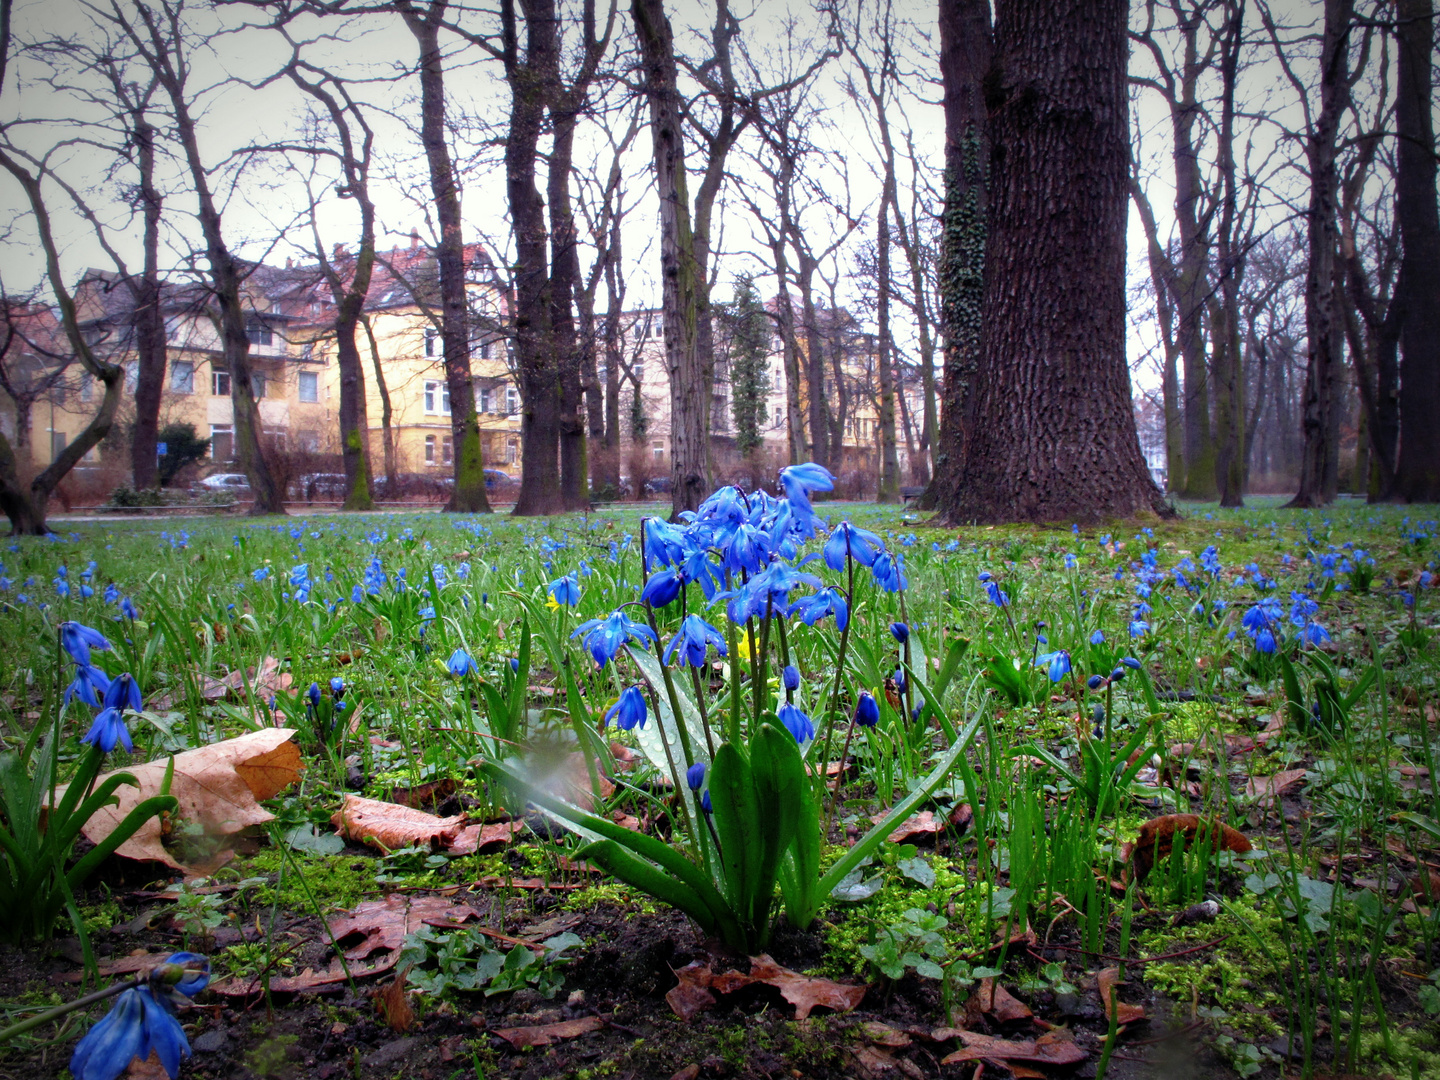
[237, 484]
[314, 486]
[414, 486]
[659, 485]
[494, 478]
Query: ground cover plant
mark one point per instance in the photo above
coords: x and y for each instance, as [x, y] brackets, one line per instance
[793, 788]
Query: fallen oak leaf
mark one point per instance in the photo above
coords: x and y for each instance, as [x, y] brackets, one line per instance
[390, 826]
[1053, 1048]
[1266, 789]
[922, 824]
[884, 1035]
[1121, 1013]
[544, 1034]
[805, 992]
[1157, 839]
[993, 999]
[473, 838]
[218, 787]
[383, 924]
[691, 994]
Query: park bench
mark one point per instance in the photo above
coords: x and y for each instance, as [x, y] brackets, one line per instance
[911, 493]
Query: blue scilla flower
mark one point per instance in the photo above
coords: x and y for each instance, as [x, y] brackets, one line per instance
[357, 595]
[1095, 682]
[693, 642]
[1056, 664]
[747, 549]
[900, 632]
[260, 574]
[699, 568]
[461, 663]
[811, 609]
[629, 712]
[1264, 640]
[299, 575]
[801, 481]
[867, 710]
[604, 637]
[796, 722]
[790, 677]
[89, 684]
[665, 544]
[861, 545]
[337, 687]
[142, 1020]
[123, 693]
[1097, 638]
[565, 590]
[111, 594]
[108, 729]
[77, 639]
[313, 694]
[889, 572]
[664, 587]
[771, 589]
[695, 776]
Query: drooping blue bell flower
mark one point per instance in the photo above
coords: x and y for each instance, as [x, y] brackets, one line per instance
[693, 641]
[861, 544]
[695, 776]
[1097, 638]
[801, 481]
[867, 710]
[77, 639]
[791, 677]
[128, 610]
[1130, 662]
[108, 729]
[629, 711]
[812, 609]
[603, 638]
[665, 544]
[89, 684]
[796, 722]
[663, 588]
[313, 694]
[889, 572]
[1057, 664]
[900, 632]
[461, 663]
[123, 693]
[142, 1021]
[565, 590]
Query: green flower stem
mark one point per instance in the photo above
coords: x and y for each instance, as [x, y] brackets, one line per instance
[40, 1019]
[839, 673]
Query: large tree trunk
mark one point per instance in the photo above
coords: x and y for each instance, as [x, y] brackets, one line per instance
[564, 287]
[814, 355]
[965, 47]
[1418, 470]
[1057, 438]
[682, 276]
[149, 320]
[1324, 320]
[469, 495]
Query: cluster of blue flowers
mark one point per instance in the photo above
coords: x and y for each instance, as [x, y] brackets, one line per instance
[94, 688]
[143, 1021]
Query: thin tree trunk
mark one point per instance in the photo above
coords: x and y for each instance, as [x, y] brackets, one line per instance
[1161, 273]
[1324, 324]
[387, 432]
[889, 488]
[1225, 338]
[1417, 476]
[469, 495]
[149, 320]
[965, 48]
[1054, 310]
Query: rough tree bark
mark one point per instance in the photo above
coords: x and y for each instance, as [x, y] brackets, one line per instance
[1418, 470]
[424, 22]
[1324, 321]
[1055, 434]
[965, 47]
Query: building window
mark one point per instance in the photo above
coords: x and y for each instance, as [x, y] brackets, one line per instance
[307, 351]
[172, 328]
[58, 442]
[485, 350]
[309, 384]
[447, 449]
[430, 337]
[779, 373]
[484, 399]
[308, 441]
[257, 385]
[182, 377]
[512, 401]
[222, 442]
[87, 386]
[639, 370]
[257, 331]
[658, 449]
[437, 398]
[512, 451]
[429, 449]
[219, 383]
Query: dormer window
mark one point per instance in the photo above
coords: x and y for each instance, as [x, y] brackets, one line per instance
[257, 331]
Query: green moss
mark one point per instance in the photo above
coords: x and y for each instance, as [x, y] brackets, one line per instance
[611, 892]
[336, 882]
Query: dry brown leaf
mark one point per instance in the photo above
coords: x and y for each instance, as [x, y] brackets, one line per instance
[1122, 1013]
[999, 1003]
[803, 991]
[437, 791]
[218, 787]
[266, 680]
[390, 826]
[873, 1060]
[545, 1034]
[1265, 789]
[473, 838]
[924, 823]
[691, 995]
[1053, 1048]
[393, 1005]
[150, 1068]
[383, 924]
[689, 1072]
[1157, 838]
[883, 1034]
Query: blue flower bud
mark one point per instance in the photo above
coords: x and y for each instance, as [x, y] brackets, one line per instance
[1095, 682]
[791, 677]
[1117, 674]
[313, 693]
[695, 776]
[900, 631]
[337, 686]
[867, 710]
